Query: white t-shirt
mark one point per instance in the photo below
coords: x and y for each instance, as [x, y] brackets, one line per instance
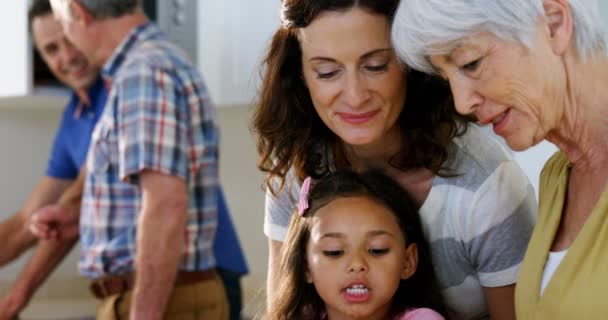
[478, 222]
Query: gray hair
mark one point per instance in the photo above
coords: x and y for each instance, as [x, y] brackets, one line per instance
[432, 27]
[99, 8]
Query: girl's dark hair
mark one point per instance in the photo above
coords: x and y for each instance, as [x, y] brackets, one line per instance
[296, 299]
[290, 132]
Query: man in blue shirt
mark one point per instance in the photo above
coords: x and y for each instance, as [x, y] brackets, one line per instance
[67, 157]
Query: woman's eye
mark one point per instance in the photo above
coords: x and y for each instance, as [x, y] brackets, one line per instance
[378, 252]
[327, 75]
[333, 253]
[471, 66]
[377, 68]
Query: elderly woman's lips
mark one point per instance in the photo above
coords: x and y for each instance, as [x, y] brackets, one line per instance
[359, 118]
[499, 123]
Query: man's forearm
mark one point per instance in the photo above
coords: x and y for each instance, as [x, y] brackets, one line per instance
[17, 238]
[46, 257]
[159, 247]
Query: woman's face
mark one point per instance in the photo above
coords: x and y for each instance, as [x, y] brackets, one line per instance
[519, 91]
[356, 83]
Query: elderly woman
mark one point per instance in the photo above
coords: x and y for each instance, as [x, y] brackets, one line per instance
[533, 70]
[334, 95]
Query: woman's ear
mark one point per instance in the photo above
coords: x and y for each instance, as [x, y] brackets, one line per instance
[410, 261]
[558, 16]
[308, 275]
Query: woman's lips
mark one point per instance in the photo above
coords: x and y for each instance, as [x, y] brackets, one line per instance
[358, 118]
[500, 122]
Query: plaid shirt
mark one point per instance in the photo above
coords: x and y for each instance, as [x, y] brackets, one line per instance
[157, 117]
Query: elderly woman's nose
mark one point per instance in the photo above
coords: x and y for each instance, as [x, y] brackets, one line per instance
[465, 97]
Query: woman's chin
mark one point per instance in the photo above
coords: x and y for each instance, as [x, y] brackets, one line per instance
[519, 144]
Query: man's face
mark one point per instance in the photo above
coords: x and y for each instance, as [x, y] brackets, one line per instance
[66, 62]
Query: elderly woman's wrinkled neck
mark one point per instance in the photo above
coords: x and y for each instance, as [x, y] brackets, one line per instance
[583, 131]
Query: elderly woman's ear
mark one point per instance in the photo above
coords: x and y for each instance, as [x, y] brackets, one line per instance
[558, 15]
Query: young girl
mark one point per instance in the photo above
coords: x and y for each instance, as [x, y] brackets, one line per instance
[356, 250]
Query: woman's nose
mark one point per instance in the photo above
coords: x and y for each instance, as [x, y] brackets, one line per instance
[466, 99]
[356, 91]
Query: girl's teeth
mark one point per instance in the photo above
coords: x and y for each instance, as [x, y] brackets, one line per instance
[357, 290]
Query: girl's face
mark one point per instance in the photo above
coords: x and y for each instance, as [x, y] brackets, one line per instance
[355, 81]
[356, 258]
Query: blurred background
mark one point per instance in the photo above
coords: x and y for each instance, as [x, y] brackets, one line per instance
[226, 40]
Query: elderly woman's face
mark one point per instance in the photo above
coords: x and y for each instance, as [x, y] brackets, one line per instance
[356, 83]
[519, 91]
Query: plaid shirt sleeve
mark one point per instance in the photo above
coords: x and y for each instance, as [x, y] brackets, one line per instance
[152, 123]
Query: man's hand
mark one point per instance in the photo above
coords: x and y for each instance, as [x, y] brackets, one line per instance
[55, 222]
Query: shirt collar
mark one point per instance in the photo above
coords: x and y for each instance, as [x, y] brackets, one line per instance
[135, 37]
[92, 93]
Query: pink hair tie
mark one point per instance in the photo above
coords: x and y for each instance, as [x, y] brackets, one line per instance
[303, 205]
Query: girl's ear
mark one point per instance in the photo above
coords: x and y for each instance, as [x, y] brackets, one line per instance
[410, 261]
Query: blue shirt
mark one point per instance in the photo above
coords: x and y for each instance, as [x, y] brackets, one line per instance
[226, 247]
[74, 135]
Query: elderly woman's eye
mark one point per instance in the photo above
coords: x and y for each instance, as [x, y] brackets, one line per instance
[471, 66]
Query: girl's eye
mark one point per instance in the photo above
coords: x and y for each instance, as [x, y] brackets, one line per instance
[377, 68]
[378, 252]
[333, 253]
[471, 66]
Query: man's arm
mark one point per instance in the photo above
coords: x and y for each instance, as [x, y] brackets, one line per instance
[160, 241]
[47, 255]
[60, 221]
[17, 239]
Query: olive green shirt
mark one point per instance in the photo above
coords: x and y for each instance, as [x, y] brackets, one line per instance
[578, 287]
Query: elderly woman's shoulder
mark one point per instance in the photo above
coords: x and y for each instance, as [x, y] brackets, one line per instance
[556, 164]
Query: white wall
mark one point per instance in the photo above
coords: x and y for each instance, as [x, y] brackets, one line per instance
[15, 61]
[233, 36]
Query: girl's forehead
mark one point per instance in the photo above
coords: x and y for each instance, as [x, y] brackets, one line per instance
[357, 215]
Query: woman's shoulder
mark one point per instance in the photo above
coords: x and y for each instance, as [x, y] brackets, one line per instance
[553, 169]
[475, 156]
[555, 165]
[421, 314]
[479, 146]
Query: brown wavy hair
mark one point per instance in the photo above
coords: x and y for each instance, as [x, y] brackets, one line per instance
[290, 132]
[296, 299]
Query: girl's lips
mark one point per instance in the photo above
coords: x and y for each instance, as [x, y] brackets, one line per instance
[357, 118]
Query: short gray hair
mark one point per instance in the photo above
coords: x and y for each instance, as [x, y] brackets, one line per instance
[99, 8]
[428, 27]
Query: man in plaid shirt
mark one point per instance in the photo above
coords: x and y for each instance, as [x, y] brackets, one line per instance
[148, 214]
